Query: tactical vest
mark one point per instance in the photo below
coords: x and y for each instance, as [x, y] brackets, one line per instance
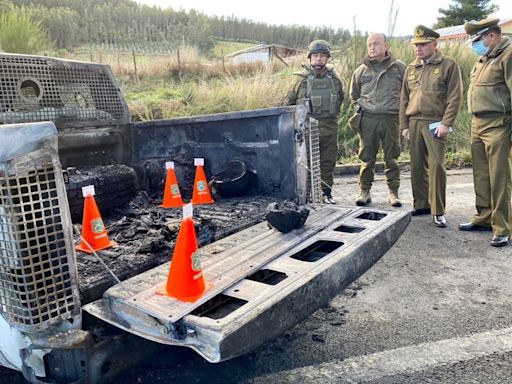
[323, 98]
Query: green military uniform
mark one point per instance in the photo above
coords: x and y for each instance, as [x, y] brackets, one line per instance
[489, 101]
[431, 92]
[375, 93]
[325, 93]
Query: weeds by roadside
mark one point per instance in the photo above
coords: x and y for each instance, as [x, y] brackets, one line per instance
[168, 87]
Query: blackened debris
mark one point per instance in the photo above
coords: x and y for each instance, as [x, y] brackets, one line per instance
[146, 235]
[286, 216]
[115, 187]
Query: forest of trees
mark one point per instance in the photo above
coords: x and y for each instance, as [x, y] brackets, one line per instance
[125, 23]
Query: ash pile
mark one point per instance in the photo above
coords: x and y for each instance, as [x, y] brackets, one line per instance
[145, 232]
[286, 216]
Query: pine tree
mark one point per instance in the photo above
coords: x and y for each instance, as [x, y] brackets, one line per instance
[464, 10]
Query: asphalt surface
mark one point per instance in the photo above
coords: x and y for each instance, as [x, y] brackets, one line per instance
[435, 309]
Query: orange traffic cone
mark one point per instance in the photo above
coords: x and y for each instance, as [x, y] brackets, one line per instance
[172, 195]
[94, 235]
[201, 194]
[185, 281]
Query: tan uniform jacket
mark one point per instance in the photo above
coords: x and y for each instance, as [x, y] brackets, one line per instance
[490, 88]
[375, 87]
[431, 91]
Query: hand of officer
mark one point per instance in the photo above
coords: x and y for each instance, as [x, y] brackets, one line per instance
[405, 133]
[442, 130]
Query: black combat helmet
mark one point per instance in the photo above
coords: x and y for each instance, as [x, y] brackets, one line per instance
[319, 46]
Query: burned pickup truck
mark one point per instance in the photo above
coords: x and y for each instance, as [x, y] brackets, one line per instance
[64, 318]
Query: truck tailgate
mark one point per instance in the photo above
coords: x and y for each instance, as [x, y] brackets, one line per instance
[262, 282]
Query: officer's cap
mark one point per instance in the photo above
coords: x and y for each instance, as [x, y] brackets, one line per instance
[476, 28]
[423, 34]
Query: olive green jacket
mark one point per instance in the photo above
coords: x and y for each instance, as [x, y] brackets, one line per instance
[490, 84]
[431, 91]
[327, 123]
[375, 87]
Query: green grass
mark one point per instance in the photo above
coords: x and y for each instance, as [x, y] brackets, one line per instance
[226, 94]
[198, 86]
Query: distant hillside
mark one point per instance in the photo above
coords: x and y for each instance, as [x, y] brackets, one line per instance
[72, 23]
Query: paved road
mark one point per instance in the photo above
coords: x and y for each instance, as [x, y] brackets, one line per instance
[436, 309]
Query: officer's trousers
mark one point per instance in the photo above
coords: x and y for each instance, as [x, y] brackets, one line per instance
[376, 129]
[328, 156]
[490, 151]
[428, 173]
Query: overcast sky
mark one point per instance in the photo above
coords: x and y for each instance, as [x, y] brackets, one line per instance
[370, 15]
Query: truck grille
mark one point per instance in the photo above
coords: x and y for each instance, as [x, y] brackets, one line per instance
[37, 281]
[36, 88]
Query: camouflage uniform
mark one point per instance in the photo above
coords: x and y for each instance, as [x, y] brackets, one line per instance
[325, 93]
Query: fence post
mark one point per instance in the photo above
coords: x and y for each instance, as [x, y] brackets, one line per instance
[355, 40]
[179, 63]
[135, 65]
[223, 64]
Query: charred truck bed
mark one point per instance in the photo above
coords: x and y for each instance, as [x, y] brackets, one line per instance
[264, 140]
[146, 235]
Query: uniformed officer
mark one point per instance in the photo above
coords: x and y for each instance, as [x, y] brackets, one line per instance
[375, 95]
[321, 90]
[430, 100]
[489, 102]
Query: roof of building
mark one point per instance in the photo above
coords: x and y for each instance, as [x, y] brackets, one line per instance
[457, 31]
[260, 47]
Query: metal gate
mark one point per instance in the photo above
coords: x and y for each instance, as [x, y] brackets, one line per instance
[38, 88]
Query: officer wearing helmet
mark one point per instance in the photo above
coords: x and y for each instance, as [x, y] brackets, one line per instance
[320, 89]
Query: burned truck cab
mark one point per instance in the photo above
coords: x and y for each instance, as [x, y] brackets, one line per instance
[64, 319]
